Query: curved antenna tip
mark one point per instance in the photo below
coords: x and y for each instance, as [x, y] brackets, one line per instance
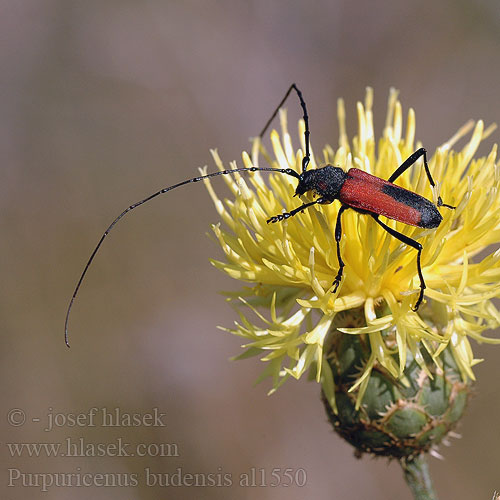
[287, 171]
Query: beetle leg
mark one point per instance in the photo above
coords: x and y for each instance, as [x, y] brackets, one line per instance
[414, 244]
[295, 211]
[409, 162]
[338, 237]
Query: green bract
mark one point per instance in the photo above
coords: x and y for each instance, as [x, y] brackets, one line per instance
[397, 417]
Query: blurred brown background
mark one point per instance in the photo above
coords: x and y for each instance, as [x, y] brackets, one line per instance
[102, 103]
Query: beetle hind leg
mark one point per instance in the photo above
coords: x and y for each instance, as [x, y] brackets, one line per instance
[411, 160]
[414, 244]
[441, 204]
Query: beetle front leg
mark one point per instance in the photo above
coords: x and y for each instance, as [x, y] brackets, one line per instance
[295, 211]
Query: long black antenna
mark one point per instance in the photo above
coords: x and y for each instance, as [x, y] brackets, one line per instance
[287, 171]
[305, 116]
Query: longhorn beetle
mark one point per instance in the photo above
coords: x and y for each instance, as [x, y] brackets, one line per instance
[354, 189]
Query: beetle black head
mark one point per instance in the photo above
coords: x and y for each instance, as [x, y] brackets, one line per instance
[325, 182]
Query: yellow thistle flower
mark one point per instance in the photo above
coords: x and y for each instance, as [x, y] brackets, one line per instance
[292, 264]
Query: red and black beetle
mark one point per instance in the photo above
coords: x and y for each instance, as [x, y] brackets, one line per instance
[366, 194]
[374, 196]
[354, 189]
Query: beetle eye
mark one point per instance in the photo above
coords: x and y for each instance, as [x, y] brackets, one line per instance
[300, 190]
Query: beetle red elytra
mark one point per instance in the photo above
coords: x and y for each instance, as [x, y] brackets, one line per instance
[355, 189]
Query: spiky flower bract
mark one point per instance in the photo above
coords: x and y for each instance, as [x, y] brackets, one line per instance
[289, 307]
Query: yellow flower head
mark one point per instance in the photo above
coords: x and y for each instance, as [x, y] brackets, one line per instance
[292, 264]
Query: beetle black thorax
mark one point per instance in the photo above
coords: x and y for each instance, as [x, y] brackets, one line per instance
[325, 182]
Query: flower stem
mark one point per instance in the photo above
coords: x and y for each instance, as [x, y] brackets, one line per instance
[417, 476]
